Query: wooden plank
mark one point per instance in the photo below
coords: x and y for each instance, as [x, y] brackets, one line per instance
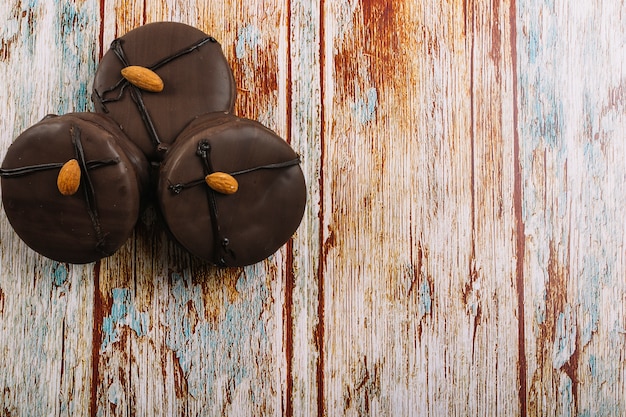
[46, 336]
[419, 284]
[45, 307]
[303, 291]
[572, 153]
[180, 337]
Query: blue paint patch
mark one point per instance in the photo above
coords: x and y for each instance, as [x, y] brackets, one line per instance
[79, 45]
[365, 107]
[218, 357]
[565, 338]
[60, 274]
[30, 25]
[567, 396]
[123, 313]
[425, 298]
[83, 97]
[178, 319]
[248, 37]
[598, 221]
[603, 409]
[113, 393]
[532, 47]
[593, 365]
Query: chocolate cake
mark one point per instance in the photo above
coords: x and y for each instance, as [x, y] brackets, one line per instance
[72, 187]
[231, 191]
[172, 73]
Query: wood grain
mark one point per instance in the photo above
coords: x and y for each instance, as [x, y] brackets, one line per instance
[421, 289]
[571, 150]
[462, 250]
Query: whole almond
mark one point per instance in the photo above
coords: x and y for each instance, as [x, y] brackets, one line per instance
[222, 182]
[143, 77]
[68, 180]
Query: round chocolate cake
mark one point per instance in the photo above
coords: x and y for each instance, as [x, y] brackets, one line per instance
[72, 187]
[231, 191]
[156, 78]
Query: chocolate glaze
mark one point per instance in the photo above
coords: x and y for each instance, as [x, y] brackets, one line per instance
[241, 228]
[197, 79]
[97, 220]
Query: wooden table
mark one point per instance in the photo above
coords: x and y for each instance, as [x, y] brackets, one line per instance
[462, 251]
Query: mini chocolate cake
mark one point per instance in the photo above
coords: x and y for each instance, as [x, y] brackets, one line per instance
[156, 78]
[231, 191]
[72, 187]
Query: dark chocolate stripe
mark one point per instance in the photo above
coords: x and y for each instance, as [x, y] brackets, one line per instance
[177, 188]
[220, 244]
[182, 52]
[90, 195]
[121, 84]
[135, 94]
[116, 46]
[21, 171]
[277, 165]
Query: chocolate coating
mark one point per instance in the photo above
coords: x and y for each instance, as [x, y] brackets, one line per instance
[195, 83]
[245, 227]
[61, 227]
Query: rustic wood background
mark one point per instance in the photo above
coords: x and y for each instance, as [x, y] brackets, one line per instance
[462, 252]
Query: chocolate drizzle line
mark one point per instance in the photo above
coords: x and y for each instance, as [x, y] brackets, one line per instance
[183, 51]
[135, 92]
[90, 194]
[220, 246]
[22, 171]
[177, 188]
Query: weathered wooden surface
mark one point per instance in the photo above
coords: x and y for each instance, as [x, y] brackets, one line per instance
[462, 252]
[572, 121]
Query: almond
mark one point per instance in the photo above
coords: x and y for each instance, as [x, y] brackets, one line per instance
[68, 180]
[222, 182]
[144, 78]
